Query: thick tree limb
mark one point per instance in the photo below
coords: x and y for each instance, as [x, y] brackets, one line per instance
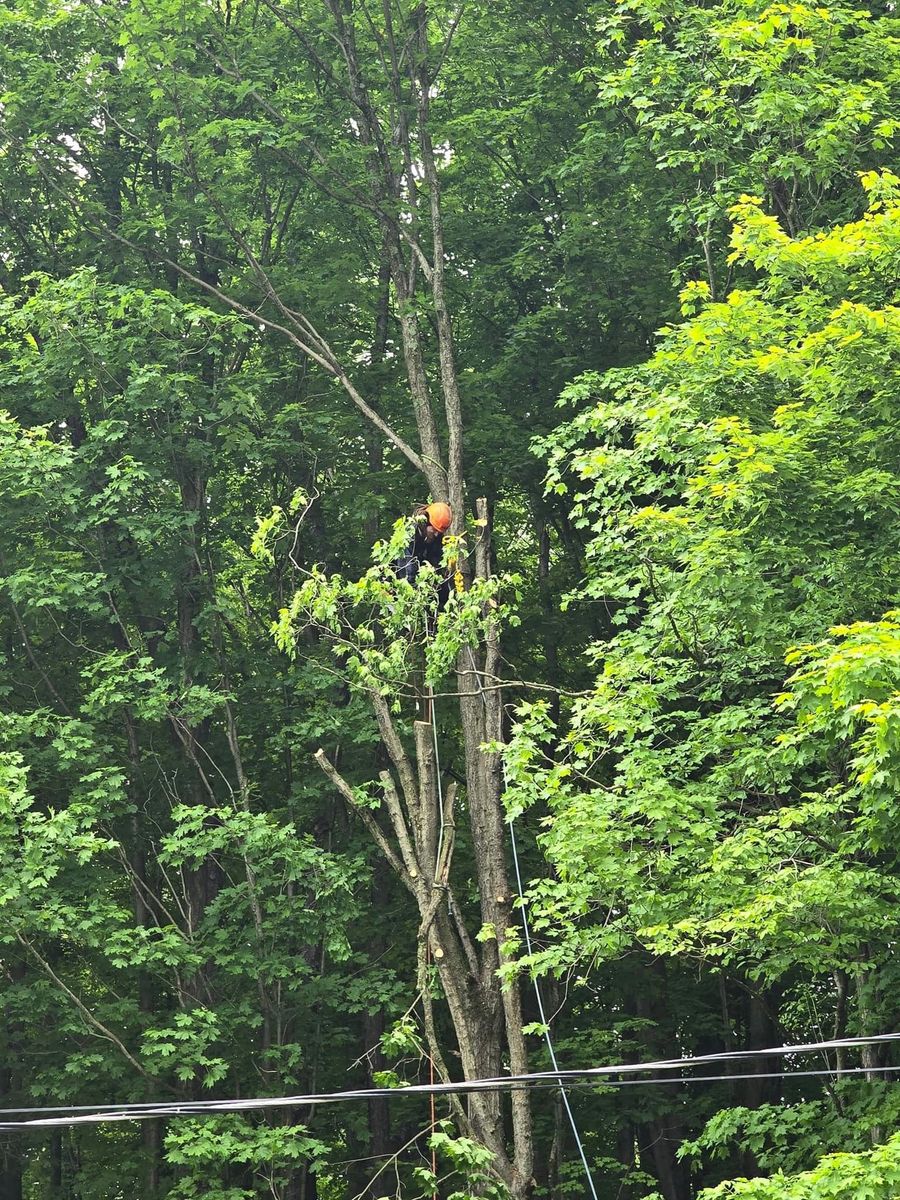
[401, 829]
[328, 363]
[89, 1017]
[378, 835]
[398, 755]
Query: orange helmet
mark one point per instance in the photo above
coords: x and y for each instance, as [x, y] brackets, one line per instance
[439, 516]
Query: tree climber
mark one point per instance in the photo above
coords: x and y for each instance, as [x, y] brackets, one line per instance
[427, 546]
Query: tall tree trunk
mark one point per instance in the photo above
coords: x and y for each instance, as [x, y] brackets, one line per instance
[660, 1137]
[421, 816]
[872, 1057]
[11, 1089]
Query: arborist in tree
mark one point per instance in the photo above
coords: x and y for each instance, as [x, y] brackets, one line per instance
[427, 546]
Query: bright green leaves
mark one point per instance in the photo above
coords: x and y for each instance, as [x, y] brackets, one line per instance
[122, 678]
[186, 1044]
[378, 625]
[784, 101]
[218, 1147]
[741, 496]
[465, 1162]
[37, 848]
[790, 1137]
[871, 1176]
[845, 698]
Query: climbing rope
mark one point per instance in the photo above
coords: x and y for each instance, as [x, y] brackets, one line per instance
[551, 1050]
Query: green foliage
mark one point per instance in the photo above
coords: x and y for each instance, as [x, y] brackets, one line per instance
[871, 1176]
[467, 1168]
[378, 625]
[789, 1138]
[214, 1146]
[725, 529]
[738, 492]
[781, 100]
[186, 908]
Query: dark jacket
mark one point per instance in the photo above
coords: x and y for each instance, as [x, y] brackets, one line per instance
[422, 551]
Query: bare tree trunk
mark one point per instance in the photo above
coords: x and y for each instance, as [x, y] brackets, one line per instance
[660, 1137]
[10, 1089]
[871, 1057]
[391, 121]
[486, 1018]
[151, 1134]
[551, 650]
[762, 1031]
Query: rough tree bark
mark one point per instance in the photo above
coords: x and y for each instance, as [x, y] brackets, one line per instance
[390, 119]
[418, 845]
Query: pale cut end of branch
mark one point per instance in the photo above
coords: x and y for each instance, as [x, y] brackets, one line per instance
[337, 779]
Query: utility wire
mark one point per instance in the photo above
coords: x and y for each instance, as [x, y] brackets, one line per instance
[573, 1074]
[541, 1013]
[88, 1114]
[534, 981]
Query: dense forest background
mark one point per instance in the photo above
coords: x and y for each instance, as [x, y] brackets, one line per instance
[618, 281]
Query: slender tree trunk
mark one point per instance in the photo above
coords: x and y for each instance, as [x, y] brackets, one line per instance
[10, 1169]
[660, 1137]
[11, 1091]
[551, 648]
[871, 1056]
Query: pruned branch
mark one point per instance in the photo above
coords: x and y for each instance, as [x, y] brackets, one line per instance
[378, 835]
[397, 753]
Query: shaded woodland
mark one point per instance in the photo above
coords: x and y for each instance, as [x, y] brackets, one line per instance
[618, 283]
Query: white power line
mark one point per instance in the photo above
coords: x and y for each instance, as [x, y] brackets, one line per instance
[579, 1076]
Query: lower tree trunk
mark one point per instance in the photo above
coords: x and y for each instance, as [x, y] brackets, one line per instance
[10, 1171]
[661, 1139]
[152, 1136]
[10, 1092]
[415, 832]
[625, 1154]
